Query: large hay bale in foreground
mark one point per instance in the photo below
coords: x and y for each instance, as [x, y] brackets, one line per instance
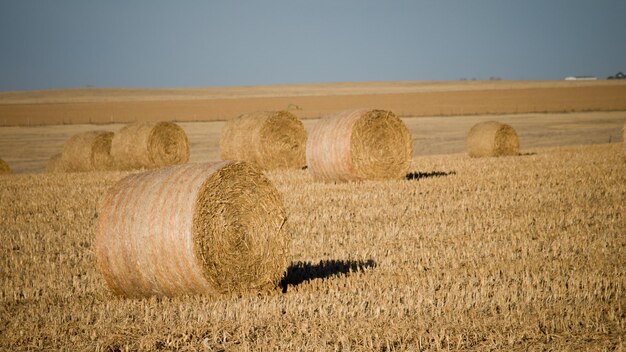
[268, 140]
[359, 145]
[492, 138]
[4, 167]
[88, 151]
[192, 229]
[149, 145]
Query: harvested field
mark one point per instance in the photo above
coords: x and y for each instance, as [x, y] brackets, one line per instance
[514, 253]
[411, 98]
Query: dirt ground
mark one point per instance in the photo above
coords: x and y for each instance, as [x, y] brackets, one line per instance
[85, 95]
[407, 99]
[27, 149]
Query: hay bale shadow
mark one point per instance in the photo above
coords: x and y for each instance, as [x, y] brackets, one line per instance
[420, 175]
[527, 154]
[299, 272]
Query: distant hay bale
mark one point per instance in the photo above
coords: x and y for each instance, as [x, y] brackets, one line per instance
[359, 145]
[55, 164]
[88, 151]
[149, 145]
[624, 136]
[192, 229]
[268, 140]
[492, 138]
[4, 167]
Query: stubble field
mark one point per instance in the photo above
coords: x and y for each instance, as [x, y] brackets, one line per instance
[512, 253]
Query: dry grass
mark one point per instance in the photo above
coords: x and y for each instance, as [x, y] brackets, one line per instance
[514, 253]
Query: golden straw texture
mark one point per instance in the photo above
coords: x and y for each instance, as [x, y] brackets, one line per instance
[359, 145]
[268, 140]
[492, 138]
[624, 137]
[88, 151]
[209, 229]
[55, 164]
[149, 145]
[4, 167]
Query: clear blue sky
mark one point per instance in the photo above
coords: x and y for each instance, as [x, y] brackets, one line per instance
[153, 43]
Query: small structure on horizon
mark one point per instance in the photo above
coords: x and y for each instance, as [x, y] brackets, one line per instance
[618, 75]
[581, 78]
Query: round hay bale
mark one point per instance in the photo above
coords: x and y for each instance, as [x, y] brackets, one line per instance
[492, 138]
[359, 145]
[4, 167]
[149, 145]
[55, 164]
[88, 151]
[268, 140]
[624, 136]
[208, 228]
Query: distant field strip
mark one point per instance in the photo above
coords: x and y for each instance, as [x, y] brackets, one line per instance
[28, 149]
[524, 99]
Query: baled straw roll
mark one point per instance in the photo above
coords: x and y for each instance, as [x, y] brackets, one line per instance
[149, 145]
[492, 138]
[192, 229]
[359, 145]
[268, 140]
[4, 167]
[624, 137]
[88, 151]
[55, 164]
